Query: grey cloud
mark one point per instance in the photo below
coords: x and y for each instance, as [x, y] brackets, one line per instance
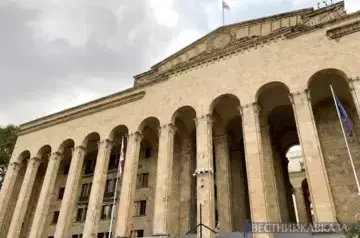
[39, 75]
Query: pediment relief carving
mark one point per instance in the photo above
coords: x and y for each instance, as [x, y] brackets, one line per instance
[236, 38]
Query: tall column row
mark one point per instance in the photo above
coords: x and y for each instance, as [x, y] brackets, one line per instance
[257, 157]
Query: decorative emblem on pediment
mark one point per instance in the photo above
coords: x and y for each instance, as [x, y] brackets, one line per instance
[220, 41]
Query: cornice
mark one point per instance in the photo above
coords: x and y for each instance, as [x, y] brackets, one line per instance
[89, 108]
[343, 30]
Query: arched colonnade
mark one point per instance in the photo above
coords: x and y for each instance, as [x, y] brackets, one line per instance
[232, 161]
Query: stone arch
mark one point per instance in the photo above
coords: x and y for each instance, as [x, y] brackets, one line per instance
[278, 132]
[232, 206]
[66, 144]
[269, 86]
[120, 129]
[44, 154]
[329, 71]
[152, 122]
[23, 156]
[22, 161]
[228, 97]
[44, 151]
[336, 160]
[184, 164]
[92, 137]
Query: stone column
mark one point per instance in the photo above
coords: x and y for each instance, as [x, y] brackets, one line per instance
[205, 174]
[223, 175]
[24, 197]
[65, 219]
[354, 86]
[128, 186]
[313, 158]
[43, 204]
[271, 187]
[97, 189]
[300, 205]
[185, 185]
[7, 189]
[254, 164]
[163, 181]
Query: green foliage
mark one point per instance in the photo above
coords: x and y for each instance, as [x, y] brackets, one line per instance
[8, 137]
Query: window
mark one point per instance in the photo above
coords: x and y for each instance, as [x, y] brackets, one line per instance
[106, 212]
[110, 187]
[103, 235]
[81, 214]
[61, 193]
[114, 161]
[55, 217]
[138, 233]
[85, 191]
[302, 167]
[66, 169]
[142, 180]
[147, 152]
[77, 236]
[140, 208]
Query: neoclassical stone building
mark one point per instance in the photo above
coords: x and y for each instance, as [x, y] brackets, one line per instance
[210, 126]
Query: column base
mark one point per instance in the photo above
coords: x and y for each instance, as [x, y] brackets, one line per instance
[161, 235]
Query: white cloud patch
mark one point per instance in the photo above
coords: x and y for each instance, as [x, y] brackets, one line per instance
[164, 12]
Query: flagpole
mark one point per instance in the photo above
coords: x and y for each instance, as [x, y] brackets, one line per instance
[346, 142]
[223, 15]
[116, 188]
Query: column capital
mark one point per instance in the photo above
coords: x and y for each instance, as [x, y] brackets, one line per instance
[292, 95]
[35, 161]
[350, 82]
[207, 117]
[57, 156]
[167, 127]
[15, 165]
[254, 106]
[137, 136]
[107, 143]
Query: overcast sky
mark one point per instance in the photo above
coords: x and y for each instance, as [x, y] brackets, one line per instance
[56, 54]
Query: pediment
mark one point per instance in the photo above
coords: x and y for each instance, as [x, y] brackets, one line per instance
[227, 39]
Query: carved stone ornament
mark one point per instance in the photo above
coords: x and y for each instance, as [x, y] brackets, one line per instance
[220, 41]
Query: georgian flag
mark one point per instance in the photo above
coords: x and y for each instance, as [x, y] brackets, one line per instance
[122, 156]
[225, 6]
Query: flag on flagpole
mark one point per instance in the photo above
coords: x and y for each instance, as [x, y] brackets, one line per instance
[225, 6]
[343, 116]
[121, 165]
[122, 156]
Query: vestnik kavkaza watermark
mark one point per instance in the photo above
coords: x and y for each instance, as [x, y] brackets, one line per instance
[259, 227]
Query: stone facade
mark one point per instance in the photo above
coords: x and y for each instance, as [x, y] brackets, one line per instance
[207, 127]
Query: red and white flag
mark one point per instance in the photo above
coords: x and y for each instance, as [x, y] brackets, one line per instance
[122, 156]
[225, 6]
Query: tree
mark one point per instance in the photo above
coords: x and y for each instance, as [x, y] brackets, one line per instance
[8, 137]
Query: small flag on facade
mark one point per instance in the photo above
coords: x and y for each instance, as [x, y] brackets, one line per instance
[122, 156]
[343, 116]
[225, 6]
